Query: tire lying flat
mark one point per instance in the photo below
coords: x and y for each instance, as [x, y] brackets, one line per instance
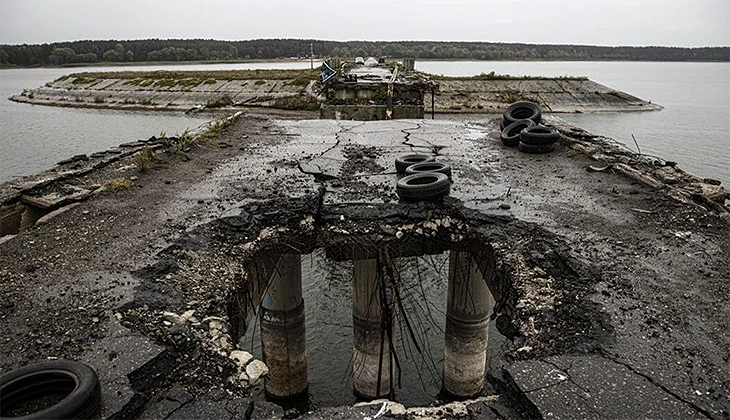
[532, 148]
[511, 134]
[405, 161]
[539, 135]
[520, 111]
[56, 389]
[425, 186]
[422, 167]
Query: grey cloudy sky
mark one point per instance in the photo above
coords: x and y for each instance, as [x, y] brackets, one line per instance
[685, 23]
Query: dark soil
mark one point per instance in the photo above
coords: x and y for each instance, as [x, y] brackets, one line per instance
[582, 272]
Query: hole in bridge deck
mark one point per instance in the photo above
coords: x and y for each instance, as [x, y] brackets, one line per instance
[328, 301]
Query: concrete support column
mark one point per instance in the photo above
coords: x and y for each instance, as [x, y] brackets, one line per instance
[467, 328]
[371, 354]
[283, 337]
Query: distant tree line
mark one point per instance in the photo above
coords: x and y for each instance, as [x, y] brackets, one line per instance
[64, 53]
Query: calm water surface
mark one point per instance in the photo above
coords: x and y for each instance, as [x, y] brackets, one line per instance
[693, 129]
[33, 137]
[327, 293]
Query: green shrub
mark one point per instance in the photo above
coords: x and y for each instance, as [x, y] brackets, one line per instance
[82, 80]
[166, 82]
[143, 159]
[297, 103]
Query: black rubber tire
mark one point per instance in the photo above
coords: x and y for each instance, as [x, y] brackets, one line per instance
[532, 148]
[425, 186]
[405, 161]
[418, 168]
[75, 385]
[539, 135]
[511, 134]
[522, 111]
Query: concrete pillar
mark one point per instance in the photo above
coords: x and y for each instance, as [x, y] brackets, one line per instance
[283, 337]
[371, 354]
[467, 328]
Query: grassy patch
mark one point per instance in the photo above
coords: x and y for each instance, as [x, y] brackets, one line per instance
[298, 103]
[210, 81]
[143, 159]
[180, 142]
[190, 82]
[260, 82]
[84, 80]
[211, 134]
[119, 184]
[301, 75]
[303, 79]
[494, 76]
[168, 82]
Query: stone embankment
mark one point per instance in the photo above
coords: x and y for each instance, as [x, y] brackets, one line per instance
[299, 91]
[558, 95]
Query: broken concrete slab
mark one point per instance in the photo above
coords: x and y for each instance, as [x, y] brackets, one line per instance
[119, 353]
[595, 386]
[590, 275]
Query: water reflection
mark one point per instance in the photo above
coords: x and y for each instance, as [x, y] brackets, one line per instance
[327, 292]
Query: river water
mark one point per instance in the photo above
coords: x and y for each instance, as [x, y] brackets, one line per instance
[693, 129]
[33, 137]
[327, 293]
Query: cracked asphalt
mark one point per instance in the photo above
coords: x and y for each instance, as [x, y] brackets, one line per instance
[639, 331]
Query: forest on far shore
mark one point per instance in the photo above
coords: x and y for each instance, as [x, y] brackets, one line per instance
[157, 50]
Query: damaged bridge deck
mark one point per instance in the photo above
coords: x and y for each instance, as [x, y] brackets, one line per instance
[613, 293]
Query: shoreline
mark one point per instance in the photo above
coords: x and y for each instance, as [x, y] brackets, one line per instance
[292, 60]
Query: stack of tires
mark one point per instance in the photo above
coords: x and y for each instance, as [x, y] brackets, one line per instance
[521, 127]
[424, 180]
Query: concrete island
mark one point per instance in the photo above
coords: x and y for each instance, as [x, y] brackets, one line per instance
[300, 90]
[605, 270]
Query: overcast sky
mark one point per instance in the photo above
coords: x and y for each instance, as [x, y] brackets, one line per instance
[687, 23]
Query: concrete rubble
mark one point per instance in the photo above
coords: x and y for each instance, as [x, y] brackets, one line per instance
[609, 286]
